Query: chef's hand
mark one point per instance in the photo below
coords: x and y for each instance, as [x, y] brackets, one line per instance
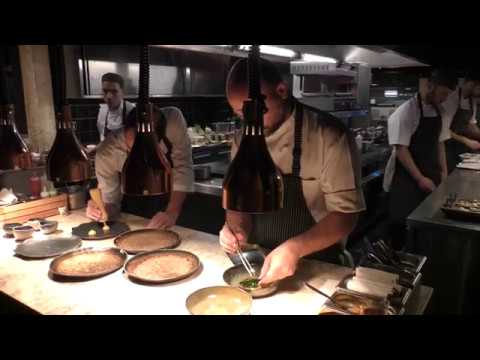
[93, 211]
[163, 220]
[281, 263]
[426, 184]
[473, 145]
[230, 240]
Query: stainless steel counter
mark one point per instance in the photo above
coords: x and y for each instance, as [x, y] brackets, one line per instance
[465, 183]
[452, 247]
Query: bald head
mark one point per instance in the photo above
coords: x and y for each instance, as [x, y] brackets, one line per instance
[272, 86]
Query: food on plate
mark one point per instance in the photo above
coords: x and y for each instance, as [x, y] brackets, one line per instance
[92, 233]
[250, 284]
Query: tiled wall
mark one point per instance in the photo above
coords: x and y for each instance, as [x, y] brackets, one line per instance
[202, 111]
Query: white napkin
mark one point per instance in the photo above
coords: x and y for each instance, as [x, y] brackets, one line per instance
[7, 197]
[369, 287]
[469, 165]
[376, 276]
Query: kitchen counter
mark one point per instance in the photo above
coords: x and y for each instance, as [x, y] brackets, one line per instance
[452, 247]
[28, 282]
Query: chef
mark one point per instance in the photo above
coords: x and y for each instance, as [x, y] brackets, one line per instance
[113, 113]
[461, 110]
[417, 133]
[321, 172]
[112, 154]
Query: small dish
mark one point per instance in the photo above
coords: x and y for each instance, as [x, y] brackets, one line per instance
[23, 232]
[8, 228]
[48, 227]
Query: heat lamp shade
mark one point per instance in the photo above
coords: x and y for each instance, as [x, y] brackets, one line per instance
[14, 152]
[146, 171]
[67, 161]
[253, 183]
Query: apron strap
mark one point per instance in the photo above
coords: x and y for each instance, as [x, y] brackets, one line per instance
[419, 99]
[124, 112]
[297, 149]
[161, 130]
[124, 117]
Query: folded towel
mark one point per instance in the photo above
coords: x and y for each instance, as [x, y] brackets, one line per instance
[7, 197]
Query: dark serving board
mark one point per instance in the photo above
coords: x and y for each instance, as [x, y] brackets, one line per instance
[116, 228]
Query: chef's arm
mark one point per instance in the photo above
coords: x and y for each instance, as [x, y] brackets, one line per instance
[332, 229]
[175, 205]
[442, 159]
[239, 222]
[473, 131]
[405, 157]
[461, 139]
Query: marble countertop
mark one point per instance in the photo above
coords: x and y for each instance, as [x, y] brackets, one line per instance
[28, 281]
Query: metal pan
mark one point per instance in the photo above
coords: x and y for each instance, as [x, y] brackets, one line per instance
[138, 241]
[88, 263]
[116, 228]
[234, 276]
[162, 266]
[42, 249]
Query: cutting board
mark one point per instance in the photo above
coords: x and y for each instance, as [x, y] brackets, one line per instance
[41, 208]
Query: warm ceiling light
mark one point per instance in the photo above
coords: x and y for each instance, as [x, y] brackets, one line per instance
[318, 58]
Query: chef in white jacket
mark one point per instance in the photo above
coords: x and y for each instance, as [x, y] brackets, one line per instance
[113, 113]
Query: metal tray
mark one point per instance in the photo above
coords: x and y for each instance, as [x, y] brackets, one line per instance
[116, 228]
[137, 241]
[162, 266]
[397, 302]
[370, 300]
[42, 249]
[461, 215]
[88, 263]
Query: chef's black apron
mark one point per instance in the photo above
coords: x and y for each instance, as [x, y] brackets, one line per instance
[270, 230]
[148, 206]
[106, 130]
[405, 195]
[460, 123]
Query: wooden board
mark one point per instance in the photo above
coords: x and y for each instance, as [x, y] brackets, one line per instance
[40, 208]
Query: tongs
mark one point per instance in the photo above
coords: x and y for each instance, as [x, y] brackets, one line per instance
[246, 263]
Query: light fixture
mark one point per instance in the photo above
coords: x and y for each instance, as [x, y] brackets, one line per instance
[253, 183]
[318, 58]
[271, 50]
[67, 161]
[146, 171]
[14, 152]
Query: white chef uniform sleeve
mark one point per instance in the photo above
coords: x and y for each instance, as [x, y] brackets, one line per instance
[402, 124]
[340, 176]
